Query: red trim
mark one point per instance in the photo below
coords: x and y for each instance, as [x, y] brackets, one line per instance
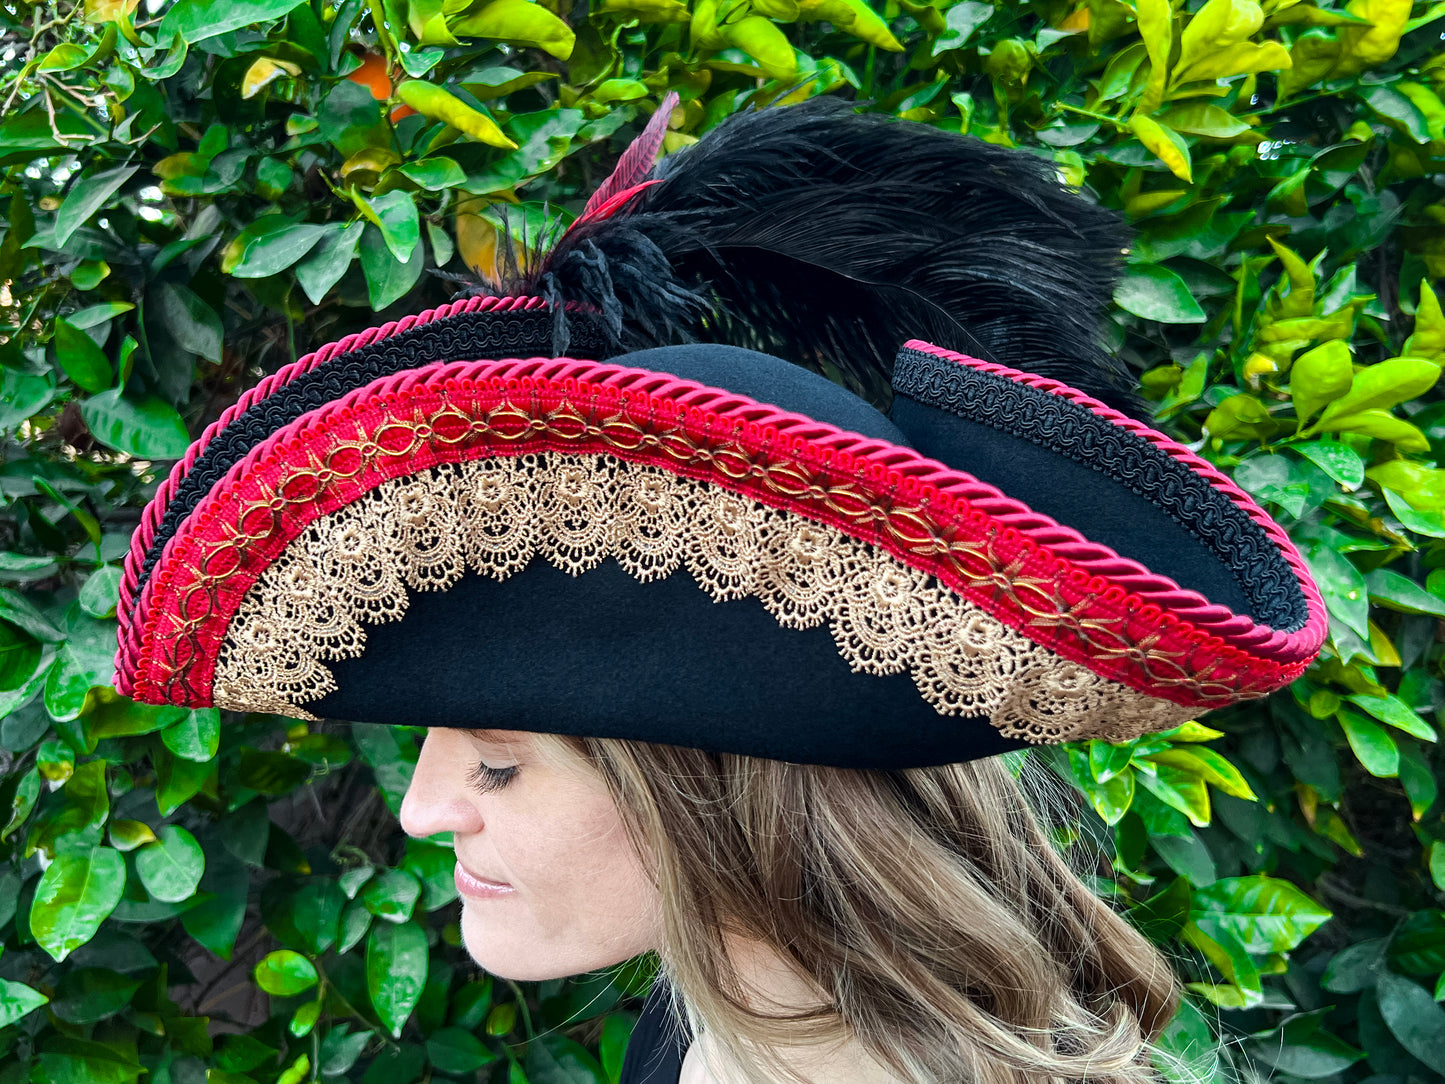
[1078, 598]
[1271, 643]
[145, 533]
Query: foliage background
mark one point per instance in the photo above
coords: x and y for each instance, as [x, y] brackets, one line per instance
[195, 193]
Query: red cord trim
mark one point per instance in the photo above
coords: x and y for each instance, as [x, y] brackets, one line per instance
[1080, 599]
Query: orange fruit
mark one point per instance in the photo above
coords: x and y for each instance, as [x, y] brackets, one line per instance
[373, 75]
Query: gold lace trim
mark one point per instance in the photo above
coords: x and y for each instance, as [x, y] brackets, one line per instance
[357, 566]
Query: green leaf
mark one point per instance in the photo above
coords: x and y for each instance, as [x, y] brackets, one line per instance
[435, 867]
[87, 995]
[196, 736]
[316, 909]
[396, 968]
[1266, 914]
[20, 611]
[1414, 1018]
[76, 894]
[285, 973]
[82, 806]
[276, 250]
[1180, 790]
[23, 396]
[18, 1000]
[146, 427]
[191, 322]
[1339, 461]
[392, 896]
[395, 215]
[387, 279]
[453, 1050]
[82, 1061]
[1188, 857]
[960, 21]
[1355, 967]
[197, 20]
[216, 921]
[171, 867]
[1396, 592]
[1158, 294]
[100, 594]
[555, 1059]
[88, 195]
[1394, 711]
[67, 56]
[437, 173]
[179, 780]
[1373, 746]
[329, 260]
[1342, 585]
[1391, 105]
[83, 361]
[1107, 760]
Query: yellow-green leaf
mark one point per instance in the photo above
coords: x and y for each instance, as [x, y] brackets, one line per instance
[1156, 27]
[1209, 766]
[1166, 145]
[264, 71]
[1384, 384]
[518, 21]
[108, 11]
[1382, 425]
[1245, 58]
[436, 103]
[1320, 377]
[1203, 119]
[1216, 26]
[853, 17]
[1366, 47]
[765, 43]
[1428, 338]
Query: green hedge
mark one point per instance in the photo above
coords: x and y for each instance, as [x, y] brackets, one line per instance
[195, 193]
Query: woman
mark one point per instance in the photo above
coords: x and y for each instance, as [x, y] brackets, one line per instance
[845, 925]
[716, 652]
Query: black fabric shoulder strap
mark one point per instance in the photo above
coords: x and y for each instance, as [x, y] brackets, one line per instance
[658, 1043]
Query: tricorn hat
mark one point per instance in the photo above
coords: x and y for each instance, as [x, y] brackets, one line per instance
[596, 501]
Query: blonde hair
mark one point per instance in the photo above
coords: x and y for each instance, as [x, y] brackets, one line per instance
[928, 908]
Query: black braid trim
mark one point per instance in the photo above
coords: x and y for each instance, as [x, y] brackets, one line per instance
[1070, 429]
[464, 337]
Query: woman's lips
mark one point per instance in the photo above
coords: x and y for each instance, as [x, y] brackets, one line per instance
[480, 888]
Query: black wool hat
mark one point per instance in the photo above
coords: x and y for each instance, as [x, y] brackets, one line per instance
[596, 501]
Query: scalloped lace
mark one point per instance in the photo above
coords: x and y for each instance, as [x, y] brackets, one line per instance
[357, 566]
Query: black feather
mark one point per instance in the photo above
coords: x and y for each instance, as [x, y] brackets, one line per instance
[830, 237]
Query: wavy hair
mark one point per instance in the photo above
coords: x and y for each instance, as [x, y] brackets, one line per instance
[927, 907]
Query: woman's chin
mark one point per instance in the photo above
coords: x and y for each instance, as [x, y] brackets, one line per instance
[508, 954]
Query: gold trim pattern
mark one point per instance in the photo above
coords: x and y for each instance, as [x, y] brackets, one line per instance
[421, 532]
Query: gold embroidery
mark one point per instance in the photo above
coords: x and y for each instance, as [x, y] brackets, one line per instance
[421, 532]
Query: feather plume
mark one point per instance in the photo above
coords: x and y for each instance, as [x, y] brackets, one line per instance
[830, 237]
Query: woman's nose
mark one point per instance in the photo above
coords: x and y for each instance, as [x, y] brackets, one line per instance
[438, 798]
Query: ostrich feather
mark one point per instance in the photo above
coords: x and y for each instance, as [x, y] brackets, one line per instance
[830, 237]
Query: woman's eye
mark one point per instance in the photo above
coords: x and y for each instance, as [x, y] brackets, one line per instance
[485, 778]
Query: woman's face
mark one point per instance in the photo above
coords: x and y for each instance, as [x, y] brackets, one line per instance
[550, 884]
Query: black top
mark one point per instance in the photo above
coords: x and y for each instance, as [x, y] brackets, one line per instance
[658, 1043]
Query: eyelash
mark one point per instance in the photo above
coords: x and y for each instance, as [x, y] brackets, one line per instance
[487, 779]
